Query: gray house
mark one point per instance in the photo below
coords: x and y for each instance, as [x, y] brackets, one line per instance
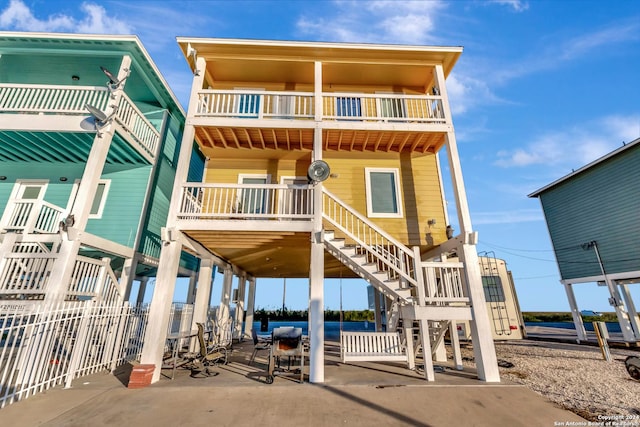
[593, 219]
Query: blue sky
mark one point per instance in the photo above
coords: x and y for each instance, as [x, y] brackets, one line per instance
[543, 87]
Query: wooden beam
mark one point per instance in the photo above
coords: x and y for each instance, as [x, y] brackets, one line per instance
[275, 139]
[391, 141]
[222, 138]
[246, 133]
[404, 141]
[378, 141]
[235, 137]
[261, 135]
[416, 142]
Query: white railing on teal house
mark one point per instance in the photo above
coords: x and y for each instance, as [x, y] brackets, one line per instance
[395, 108]
[52, 99]
[246, 201]
[31, 216]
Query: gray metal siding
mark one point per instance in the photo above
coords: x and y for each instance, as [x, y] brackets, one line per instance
[601, 204]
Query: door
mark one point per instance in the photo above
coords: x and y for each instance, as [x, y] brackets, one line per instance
[22, 213]
[253, 200]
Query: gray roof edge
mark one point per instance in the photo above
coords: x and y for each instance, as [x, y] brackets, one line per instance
[585, 167]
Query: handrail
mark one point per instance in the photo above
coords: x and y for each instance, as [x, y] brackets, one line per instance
[380, 246]
[246, 201]
[141, 129]
[255, 104]
[60, 99]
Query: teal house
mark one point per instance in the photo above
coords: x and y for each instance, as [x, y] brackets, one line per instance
[89, 140]
[593, 221]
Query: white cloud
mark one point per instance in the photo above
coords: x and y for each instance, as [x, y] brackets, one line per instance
[407, 22]
[574, 147]
[516, 5]
[17, 16]
[507, 217]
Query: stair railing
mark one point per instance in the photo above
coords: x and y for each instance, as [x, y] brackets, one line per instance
[390, 255]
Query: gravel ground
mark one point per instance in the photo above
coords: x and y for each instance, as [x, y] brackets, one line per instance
[575, 377]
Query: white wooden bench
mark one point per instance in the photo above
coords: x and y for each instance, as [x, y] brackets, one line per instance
[372, 347]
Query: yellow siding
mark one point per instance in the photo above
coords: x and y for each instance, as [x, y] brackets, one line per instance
[420, 187]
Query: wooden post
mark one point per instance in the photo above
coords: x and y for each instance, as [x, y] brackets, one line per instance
[602, 334]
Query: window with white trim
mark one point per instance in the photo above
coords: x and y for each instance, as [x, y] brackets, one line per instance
[99, 198]
[383, 193]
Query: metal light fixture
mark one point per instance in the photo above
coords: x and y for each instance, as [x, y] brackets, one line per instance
[63, 178]
[431, 222]
[113, 83]
[318, 171]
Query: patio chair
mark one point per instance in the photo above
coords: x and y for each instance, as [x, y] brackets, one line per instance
[258, 345]
[206, 356]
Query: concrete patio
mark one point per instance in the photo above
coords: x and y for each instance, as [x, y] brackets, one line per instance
[363, 394]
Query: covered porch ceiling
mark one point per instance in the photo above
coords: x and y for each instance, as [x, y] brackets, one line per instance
[268, 254]
[62, 147]
[215, 138]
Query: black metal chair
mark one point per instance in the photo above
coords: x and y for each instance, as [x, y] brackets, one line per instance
[258, 345]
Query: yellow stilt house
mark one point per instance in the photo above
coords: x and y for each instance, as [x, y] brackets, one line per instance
[322, 161]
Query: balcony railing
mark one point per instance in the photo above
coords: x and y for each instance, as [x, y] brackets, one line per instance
[444, 282]
[395, 108]
[252, 104]
[31, 216]
[246, 201]
[383, 108]
[71, 100]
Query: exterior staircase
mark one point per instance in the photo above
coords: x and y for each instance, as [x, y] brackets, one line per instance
[431, 294]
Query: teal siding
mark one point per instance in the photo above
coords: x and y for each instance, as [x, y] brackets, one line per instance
[602, 204]
[123, 208]
[57, 191]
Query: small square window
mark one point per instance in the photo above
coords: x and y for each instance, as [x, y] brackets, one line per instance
[493, 291]
[383, 193]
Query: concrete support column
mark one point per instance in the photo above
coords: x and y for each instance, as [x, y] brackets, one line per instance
[128, 275]
[631, 310]
[483, 348]
[203, 291]
[156, 335]
[377, 306]
[316, 267]
[191, 291]
[575, 313]
[141, 290]
[222, 316]
[239, 317]
[251, 307]
[64, 264]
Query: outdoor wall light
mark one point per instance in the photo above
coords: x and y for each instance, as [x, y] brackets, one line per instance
[431, 222]
[113, 80]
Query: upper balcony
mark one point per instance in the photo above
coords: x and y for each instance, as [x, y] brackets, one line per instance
[286, 120]
[62, 109]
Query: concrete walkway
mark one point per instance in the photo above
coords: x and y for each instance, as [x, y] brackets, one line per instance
[366, 394]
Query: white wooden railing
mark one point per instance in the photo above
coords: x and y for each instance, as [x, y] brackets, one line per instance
[27, 270]
[383, 107]
[137, 125]
[246, 201]
[32, 216]
[379, 247]
[42, 346]
[255, 104]
[52, 99]
[444, 282]
[397, 108]
[94, 279]
[21, 98]
[25, 273]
